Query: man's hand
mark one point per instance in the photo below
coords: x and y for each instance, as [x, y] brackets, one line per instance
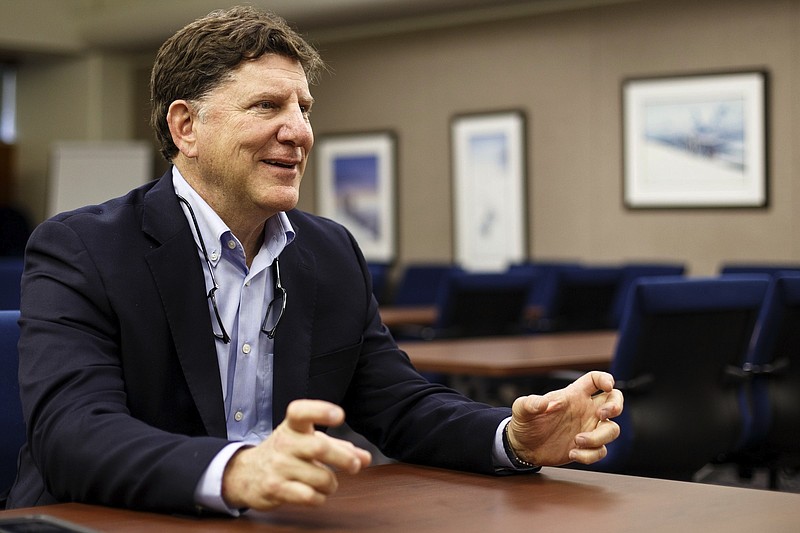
[295, 464]
[570, 424]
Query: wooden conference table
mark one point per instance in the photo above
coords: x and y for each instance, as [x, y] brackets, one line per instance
[422, 315]
[402, 498]
[426, 315]
[514, 356]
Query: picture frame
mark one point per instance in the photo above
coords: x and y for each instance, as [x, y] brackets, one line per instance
[695, 141]
[489, 168]
[356, 186]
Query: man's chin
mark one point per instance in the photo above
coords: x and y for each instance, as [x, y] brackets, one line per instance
[283, 200]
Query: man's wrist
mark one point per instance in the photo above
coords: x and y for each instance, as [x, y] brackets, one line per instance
[208, 493]
[516, 460]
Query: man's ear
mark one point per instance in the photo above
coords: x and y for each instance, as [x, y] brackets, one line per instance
[181, 121]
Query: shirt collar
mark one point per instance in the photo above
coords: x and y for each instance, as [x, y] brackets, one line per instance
[278, 230]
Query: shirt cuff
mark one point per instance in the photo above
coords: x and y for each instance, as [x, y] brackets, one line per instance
[208, 493]
[502, 462]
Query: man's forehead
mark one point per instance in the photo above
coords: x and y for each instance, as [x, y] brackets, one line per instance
[274, 64]
[265, 77]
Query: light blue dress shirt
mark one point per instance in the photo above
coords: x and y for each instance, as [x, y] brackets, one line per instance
[246, 363]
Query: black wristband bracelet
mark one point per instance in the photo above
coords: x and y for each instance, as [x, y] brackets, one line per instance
[512, 456]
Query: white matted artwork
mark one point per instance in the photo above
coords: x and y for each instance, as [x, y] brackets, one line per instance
[695, 141]
[356, 187]
[90, 172]
[489, 190]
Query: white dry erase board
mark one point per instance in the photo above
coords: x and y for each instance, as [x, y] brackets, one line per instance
[91, 172]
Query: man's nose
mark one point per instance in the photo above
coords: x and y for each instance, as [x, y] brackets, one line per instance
[295, 128]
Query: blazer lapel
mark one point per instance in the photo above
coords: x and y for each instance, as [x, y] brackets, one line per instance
[293, 337]
[180, 282]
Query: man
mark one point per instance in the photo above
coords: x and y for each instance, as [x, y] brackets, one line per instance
[166, 333]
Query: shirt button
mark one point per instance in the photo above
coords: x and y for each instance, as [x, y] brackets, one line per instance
[232, 244]
[238, 416]
[245, 348]
[214, 255]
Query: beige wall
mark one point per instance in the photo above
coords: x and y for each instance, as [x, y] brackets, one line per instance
[87, 96]
[563, 70]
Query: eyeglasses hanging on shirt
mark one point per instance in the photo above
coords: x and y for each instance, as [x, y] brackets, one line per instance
[276, 306]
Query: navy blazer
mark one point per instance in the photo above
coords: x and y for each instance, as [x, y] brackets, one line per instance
[118, 370]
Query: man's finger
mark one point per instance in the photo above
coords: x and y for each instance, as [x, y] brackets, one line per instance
[605, 432]
[303, 415]
[339, 454]
[612, 406]
[529, 406]
[597, 380]
[588, 455]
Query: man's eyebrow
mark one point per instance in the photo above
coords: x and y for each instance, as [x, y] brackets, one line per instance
[271, 95]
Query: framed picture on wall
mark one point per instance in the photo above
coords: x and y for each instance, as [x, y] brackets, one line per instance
[695, 141]
[489, 189]
[356, 187]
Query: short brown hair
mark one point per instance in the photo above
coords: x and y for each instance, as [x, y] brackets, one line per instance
[201, 55]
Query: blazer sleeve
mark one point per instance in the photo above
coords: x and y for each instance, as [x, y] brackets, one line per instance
[356, 362]
[413, 420]
[83, 442]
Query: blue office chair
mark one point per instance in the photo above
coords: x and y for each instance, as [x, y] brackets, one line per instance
[758, 268]
[16, 229]
[11, 421]
[630, 273]
[772, 423]
[583, 297]
[420, 282]
[380, 280]
[681, 346]
[482, 304]
[543, 296]
[10, 278]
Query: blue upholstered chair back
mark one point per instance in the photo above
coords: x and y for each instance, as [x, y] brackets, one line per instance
[11, 421]
[759, 268]
[379, 272]
[543, 295]
[482, 304]
[773, 423]
[632, 272]
[419, 284]
[583, 297]
[680, 341]
[10, 277]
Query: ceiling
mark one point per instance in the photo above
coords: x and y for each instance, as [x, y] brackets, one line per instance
[129, 24]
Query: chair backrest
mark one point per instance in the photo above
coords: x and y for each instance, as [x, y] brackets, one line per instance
[16, 229]
[774, 361]
[419, 284]
[758, 268]
[630, 273]
[583, 297]
[679, 341]
[544, 291]
[379, 272]
[482, 304]
[10, 278]
[11, 421]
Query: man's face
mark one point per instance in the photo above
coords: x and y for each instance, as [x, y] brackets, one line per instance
[254, 137]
